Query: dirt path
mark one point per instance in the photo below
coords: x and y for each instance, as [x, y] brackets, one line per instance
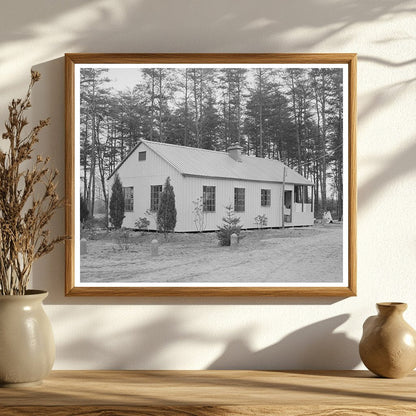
[292, 255]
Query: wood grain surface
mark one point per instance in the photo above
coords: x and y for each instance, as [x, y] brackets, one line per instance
[202, 393]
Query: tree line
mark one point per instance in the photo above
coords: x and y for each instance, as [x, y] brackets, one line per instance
[293, 115]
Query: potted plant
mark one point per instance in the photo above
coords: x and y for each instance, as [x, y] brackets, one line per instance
[28, 200]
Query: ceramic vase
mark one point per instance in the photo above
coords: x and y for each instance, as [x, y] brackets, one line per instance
[388, 345]
[27, 347]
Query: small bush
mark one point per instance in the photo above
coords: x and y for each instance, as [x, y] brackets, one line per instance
[200, 216]
[261, 221]
[122, 238]
[230, 226]
[142, 223]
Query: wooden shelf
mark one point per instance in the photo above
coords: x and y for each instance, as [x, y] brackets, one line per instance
[202, 393]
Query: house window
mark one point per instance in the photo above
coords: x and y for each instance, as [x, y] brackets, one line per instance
[308, 194]
[265, 197]
[128, 198]
[303, 195]
[155, 192]
[239, 199]
[142, 156]
[208, 197]
[299, 194]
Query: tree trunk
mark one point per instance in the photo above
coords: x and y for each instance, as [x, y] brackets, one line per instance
[296, 118]
[323, 143]
[160, 105]
[260, 153]
[152, 104]
[85, 160]
[185, 139]
[197, 138]
[91, 183]
[239, 109]
[201, 108]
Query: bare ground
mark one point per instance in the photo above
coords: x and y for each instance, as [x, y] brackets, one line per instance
[312, 254]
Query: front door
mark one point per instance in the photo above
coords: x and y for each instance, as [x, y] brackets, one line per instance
[288, 206]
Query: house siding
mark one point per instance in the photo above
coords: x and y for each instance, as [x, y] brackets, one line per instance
[224, 196]
[141, 175]
[154, 171]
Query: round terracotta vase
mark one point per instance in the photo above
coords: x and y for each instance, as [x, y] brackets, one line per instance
[27, 347]
[388, 344]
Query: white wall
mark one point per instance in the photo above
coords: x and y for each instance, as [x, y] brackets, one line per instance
[141, 176]
[195, 333]
[192, 189]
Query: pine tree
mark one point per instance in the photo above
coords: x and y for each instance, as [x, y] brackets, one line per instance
[117, 203]
[232, 85]
[230, 226]
[166, 214]
[210, 125]
[93, 99]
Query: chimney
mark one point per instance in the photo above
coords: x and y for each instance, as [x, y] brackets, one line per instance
[234, 151]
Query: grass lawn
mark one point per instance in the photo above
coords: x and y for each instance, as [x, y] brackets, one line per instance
[311, 254]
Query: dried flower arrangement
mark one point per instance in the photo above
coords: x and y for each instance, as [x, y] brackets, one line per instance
[28, 199]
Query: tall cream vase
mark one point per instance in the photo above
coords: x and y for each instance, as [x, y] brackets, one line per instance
[27, 347]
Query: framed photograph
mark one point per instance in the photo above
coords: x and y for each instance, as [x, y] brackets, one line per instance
[211, 174]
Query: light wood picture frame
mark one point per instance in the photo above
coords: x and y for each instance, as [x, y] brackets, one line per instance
[265, 140]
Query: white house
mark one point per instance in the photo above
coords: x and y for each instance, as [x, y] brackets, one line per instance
[252, 186]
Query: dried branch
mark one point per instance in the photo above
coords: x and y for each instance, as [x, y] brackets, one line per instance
[23, 218]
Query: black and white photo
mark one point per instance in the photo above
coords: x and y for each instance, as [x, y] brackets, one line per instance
[212, 175]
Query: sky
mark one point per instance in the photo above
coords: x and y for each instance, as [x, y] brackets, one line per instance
[122, 78]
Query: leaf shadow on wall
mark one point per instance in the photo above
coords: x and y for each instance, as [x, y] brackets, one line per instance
[313, 347]
[144, 346]
[151, 24]
[403, 162]
[391, 170]
[217, 26]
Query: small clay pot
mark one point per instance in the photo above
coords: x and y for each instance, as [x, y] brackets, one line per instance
[388, 344]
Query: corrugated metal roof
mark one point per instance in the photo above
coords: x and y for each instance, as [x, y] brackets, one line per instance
[209, 163]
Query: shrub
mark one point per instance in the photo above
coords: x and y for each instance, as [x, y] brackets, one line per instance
[200, 215]
[142, 223]
[261, 221]
[166, 214]
[122, 238]
[117, 203]
[230, 226]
